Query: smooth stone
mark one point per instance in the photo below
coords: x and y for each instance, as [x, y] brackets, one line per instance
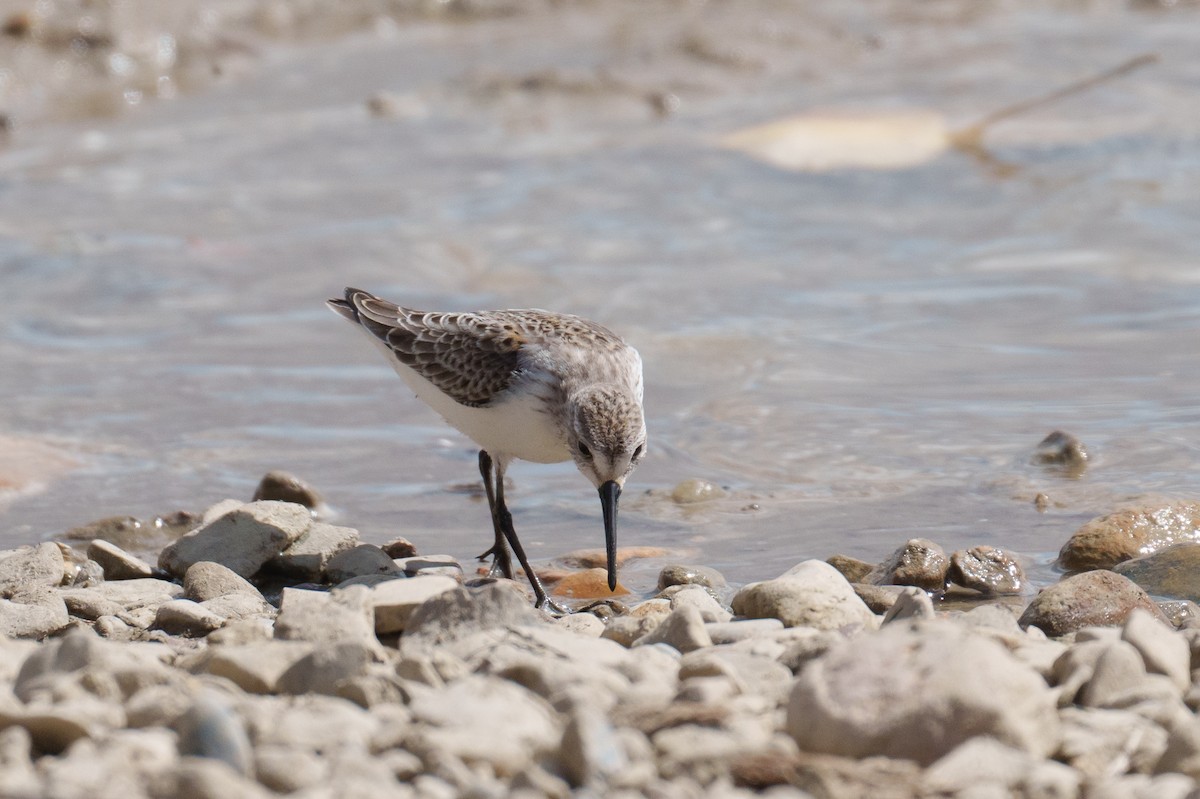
[210, 728]
[912, 603]
[242, 539]
[446, 565]
[29, 567]
[584, 624]
[208, 580]
[695, 490]
[359, 561]
[399, 548]
[879, 598]
[324, 670]
[989, 570]
[326, 617]
[810, 594]
[733, 631]
[679, 574]
[395, 601]
[185, 617]
[286, 770]
[917, 690]
[853, 569]
[308, 558]
[116, 562]
[1171, 572]
[35, 612]
[919, 562]
[627, 629]
[698, 597]
[255, 668]
[1062, 449]
[587, 584]
[1125, 534]
[287, 487]
[1118, 668]
[1163, 650]
[683, 629]
[1095, 598]
[240, 606]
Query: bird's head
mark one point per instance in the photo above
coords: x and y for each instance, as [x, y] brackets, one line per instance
[607, 437]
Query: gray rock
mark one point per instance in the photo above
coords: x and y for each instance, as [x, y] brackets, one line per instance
[584, 624]
[208, 580]
[1097, 742]
[18, 779]
[320, 617]
[730, 632]
[185, 617]
[286, 770]
[690, 575]
[125, 595]
[326, 669]
[395, 601]
[463, 611]
[240, 606]
[699, 598]
[1163, 650]
[30, 567]
[116, 562]
[34, 612]
[308, 557]
[1089, 599]
[205, 778]
[919, 562]
[811, 594]
[255, 668]
[627, 629]
[984, 766]
[360, 561]
[243, 539]
[913, 603]
[989, 570]
[683, 629]
[443, 565]
[287, 487]
[210, 728]
[750, 673]
[590, 752]
[1118, 669]
[917, 690]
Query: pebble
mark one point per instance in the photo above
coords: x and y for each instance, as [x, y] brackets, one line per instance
[810, 594]
[1131, 532]
[853, 569]
[243, 539]
[287, 487]
[1064, 450]
[363, 560]
[394, 601]
[919, 562]
[690, 575]
[989, 570]
[1084, 600]
[308, 558]
[116, 562]
[41, 565]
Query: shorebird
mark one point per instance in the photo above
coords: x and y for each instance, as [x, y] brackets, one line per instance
[526, 384]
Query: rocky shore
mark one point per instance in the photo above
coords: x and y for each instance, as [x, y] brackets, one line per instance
[267, 653]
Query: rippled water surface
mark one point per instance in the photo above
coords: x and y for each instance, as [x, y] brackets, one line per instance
[858, 356]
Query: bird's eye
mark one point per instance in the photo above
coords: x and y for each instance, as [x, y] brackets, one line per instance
[639, 452]
[584, 451]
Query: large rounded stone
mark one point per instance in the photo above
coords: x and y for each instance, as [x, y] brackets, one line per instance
[1091, 599]
[810, 594]
[1173, 572]
[1129, 533]
[916, 691]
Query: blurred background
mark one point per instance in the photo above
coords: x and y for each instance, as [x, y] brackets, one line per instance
[862, 290]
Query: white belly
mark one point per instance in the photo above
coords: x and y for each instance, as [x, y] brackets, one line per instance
[517, 428]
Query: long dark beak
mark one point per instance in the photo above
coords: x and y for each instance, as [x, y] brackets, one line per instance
[610, 492]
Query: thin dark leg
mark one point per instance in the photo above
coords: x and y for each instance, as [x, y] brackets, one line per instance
[499, 550]
[540, 597]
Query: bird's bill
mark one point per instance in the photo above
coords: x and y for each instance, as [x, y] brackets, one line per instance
[610, 492]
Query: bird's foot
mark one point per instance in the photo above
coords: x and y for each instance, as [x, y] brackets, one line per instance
[550, 606]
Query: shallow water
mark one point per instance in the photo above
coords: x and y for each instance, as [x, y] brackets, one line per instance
[859, 356]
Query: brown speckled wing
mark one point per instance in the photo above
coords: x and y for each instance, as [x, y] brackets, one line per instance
[467, 359]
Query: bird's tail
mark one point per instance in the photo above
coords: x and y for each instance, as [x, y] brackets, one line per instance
[347, 308]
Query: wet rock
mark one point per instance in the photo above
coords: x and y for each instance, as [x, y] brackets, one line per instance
[690, 575]
[897, 693]
[308, 558]
[360, 561]
[400, 548]
[242, 539]
[879, 598]
[210, 728]
[185, 617]
[853, 569]
[683, 629]
[116, 562]
[287, 487]
[920, 562]
[28, 567]
[1095, 598]
[989, 570]
[1063, 450]
[124, 531]
[395, 601]
[35, 612]
[694, 490]
[1107, 540]
[588, 584]
[1173, 572]
[810, 594]
[320, 617]
[208, 580]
